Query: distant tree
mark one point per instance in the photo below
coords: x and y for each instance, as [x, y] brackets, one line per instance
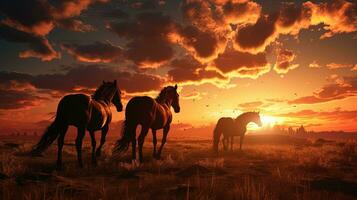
[291, 131]
[301, 130]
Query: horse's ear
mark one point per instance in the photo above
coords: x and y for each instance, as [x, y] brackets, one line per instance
[175, 86]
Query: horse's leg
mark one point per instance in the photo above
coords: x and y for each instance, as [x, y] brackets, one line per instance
[241, 142]
[154, 141]
[94, 143]
[225, 143]
[102, 140]
[133, 147]
[79, 140]
[164, 136]
[232, 143]
[60, 143]
[141, 139]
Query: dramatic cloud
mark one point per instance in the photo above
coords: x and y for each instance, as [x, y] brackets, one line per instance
[204, 46]
[84, 78]
[314, 64]
[240, 12]
[187, 69]
[96, 52]
[241, 63]
[14, 99]
[340, 88]
[338, 16]
[32, 20]
[39, 47]
[332, 115]
[255, 37]
[338, 65]
[149, 38]
[251, 106]
[283, 61]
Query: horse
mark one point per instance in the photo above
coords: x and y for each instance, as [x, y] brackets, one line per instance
[85, 112]
[151, 114]
[230, 127]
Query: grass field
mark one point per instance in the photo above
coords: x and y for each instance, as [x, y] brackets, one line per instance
[269, 167]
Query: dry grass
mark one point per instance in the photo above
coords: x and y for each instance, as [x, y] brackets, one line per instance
[188, 170]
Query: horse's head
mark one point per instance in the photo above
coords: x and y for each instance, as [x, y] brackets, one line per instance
[256, 118]
[171, 93]
[116, 100]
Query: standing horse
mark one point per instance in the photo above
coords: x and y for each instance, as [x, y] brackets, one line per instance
[84, 112]
[149, 113]
[230, 127]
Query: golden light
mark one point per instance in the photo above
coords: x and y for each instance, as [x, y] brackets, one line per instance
[267, 121]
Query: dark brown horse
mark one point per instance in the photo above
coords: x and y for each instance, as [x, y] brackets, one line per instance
[151, 114]
[85, 112]
[230, 127]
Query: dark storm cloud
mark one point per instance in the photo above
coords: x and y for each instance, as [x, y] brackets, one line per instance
[149, 38]
[203, 45]
[96, 52]
[87, 78]
[39, 46]
[31, 20]
[188, 69]
[340, 88]
[14, 99]
[255, 37]
[232, 60]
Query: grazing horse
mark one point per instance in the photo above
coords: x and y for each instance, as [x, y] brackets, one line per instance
[151, 114]
[230, 127]
[85, 112]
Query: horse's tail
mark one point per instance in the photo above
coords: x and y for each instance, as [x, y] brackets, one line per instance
[217, 135]
[127, 132]
[50, 134]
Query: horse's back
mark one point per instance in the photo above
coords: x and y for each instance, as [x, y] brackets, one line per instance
[225, 124]
[142, 105]
[75, 108]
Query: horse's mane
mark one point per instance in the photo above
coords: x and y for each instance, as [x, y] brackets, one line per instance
[99, 91]
[244, 116]
[161, 97]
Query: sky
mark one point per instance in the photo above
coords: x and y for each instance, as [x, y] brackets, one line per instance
[294, 61]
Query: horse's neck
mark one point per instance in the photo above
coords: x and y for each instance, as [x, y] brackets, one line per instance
[243, 121]
[166, 102]
[106, 99]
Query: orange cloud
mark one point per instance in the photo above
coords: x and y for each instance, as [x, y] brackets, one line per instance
[340, 88]
[242, 64]
[188, 69]
[144, 31]
[338, 16]
[334, 65]
[283, 61]
[240, 12]
[38, 18]
[39, 47]
[314, 64]
[96, 52]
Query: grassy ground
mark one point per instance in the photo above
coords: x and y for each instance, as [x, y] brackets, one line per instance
[269, 167]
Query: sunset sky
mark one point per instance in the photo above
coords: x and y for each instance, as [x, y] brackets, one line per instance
[294, 61]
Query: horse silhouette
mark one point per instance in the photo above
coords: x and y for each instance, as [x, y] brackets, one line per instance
[151, 114]
[85, 112]
[230, 127]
